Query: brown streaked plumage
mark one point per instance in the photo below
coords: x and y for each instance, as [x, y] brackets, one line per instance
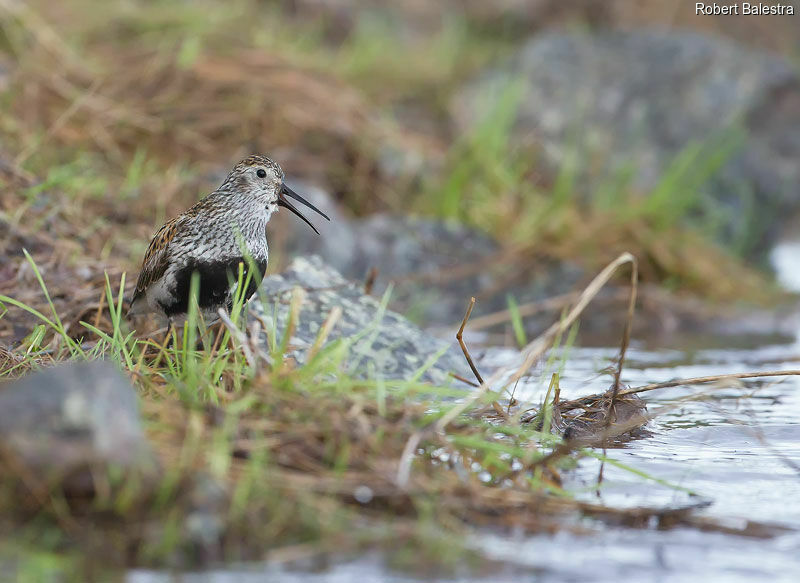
[211, 239]
[155, 261]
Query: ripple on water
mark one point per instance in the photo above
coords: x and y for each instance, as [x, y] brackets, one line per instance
[736, 445]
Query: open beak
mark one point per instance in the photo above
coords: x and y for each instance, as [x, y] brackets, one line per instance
[286, 191]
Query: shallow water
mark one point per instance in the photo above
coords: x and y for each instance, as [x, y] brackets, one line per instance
[731, 445]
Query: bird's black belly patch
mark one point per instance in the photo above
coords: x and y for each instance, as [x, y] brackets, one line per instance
[215, 285]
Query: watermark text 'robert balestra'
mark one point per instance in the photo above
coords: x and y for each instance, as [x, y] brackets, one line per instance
[745, 8]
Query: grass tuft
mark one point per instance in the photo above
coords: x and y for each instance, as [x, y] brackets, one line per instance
[300, 455]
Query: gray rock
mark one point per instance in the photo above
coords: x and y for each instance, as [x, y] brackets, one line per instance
[338, 240]
[62, 426]
[381, 339]
[634, 101]
[434, 266]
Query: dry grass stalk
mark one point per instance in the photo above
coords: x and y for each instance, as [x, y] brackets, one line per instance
[534, 350]
[587, 401]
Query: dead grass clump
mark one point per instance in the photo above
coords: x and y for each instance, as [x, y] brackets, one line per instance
[296, 459]
[75, 281]
[673, 257]
[227, 105]
[12, 365]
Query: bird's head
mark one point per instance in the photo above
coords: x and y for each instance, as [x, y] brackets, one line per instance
[262, 178]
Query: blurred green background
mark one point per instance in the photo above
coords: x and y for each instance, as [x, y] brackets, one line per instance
[564, 131]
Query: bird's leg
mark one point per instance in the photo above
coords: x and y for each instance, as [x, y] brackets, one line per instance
[220, 332]
[200, 343]
[168, 337]
[246, 316]
[209, 336]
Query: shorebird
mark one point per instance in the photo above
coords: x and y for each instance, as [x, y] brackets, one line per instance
[212, 239]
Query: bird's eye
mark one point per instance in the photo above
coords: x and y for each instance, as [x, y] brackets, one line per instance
[261, 173]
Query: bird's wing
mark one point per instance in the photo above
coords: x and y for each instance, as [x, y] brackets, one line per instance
[156, 258]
